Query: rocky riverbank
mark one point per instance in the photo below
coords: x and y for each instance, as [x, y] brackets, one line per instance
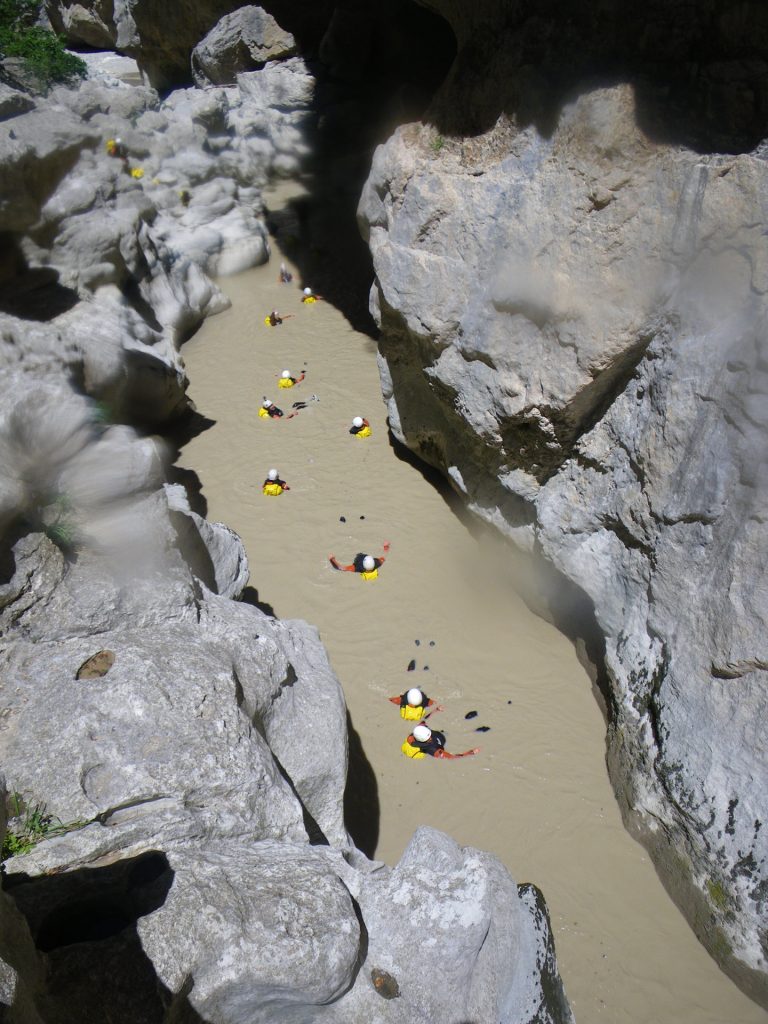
[176, 760]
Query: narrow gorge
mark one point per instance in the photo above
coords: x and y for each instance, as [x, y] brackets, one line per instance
[563, 217]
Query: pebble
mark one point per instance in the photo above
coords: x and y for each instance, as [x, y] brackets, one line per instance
[483, 728]
[411, 664]
[471, 714]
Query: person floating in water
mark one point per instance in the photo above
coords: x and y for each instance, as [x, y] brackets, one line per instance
[309, 296]
[269, 410]
[273, 485]
[366, 565]
[287, 381]
[285, 275]
[360, 427]
[275, 319]
[413, 703]
[426, 742]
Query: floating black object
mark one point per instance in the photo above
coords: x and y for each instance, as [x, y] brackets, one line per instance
[431, 643]
[411, 664]
[342, 519]
[426, 668]
[471, 714]
[483, 728]
[362, 517]
[417, 642]
[509, 702]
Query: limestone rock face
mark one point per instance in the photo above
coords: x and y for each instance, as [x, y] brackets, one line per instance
[91, 23]
[573, 330]
[241, 41]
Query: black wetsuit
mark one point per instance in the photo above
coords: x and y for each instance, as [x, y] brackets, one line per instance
[435, 742]
[356, 430]
[358, 562]
[424, 701]
[273, 411]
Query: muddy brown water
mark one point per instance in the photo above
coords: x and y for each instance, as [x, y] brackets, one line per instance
[538, 794]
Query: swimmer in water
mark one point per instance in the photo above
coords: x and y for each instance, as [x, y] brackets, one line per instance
[285, 275]
[360, 427]
[273, 485]
[366, 565]
[287, 381]
[309, 296]
[426, 742]
[413, 703]
[269, 410]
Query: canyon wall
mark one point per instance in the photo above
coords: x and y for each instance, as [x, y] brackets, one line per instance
[570, 258]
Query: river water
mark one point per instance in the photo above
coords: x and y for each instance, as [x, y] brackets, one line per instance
[538, 794]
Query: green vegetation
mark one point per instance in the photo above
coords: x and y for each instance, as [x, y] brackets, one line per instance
[34, 825]
[717, 894]
[42, 51]
[61, 529]
[437, 144]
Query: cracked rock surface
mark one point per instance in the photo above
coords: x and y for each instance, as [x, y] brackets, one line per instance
[573, 331]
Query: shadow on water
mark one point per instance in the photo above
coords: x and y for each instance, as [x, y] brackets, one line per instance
[83, 923]
[251, 596]
[361, 796]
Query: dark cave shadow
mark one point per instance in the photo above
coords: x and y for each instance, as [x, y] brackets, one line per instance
[251, 596]
[700, 76]
[372, 74]
[362, 812]
[83, 924]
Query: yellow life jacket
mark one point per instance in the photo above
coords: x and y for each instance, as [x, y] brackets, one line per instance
[412, 714]
[111, 147]
[309, 299]
[364, 432]
[285, 382]
[263, 413]
[411, 751]
[137, 172]
[267, 321]
[272, 489]
[372, 576]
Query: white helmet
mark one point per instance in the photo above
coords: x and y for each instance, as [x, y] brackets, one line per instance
[357, 421]
[285, 374]
[414, 697]
[307, 291]
[422, 733]
[368, 563]
[266, 403]
[272, 474]
[119, 141]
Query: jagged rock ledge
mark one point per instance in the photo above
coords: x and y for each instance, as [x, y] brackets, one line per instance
[192, 750]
